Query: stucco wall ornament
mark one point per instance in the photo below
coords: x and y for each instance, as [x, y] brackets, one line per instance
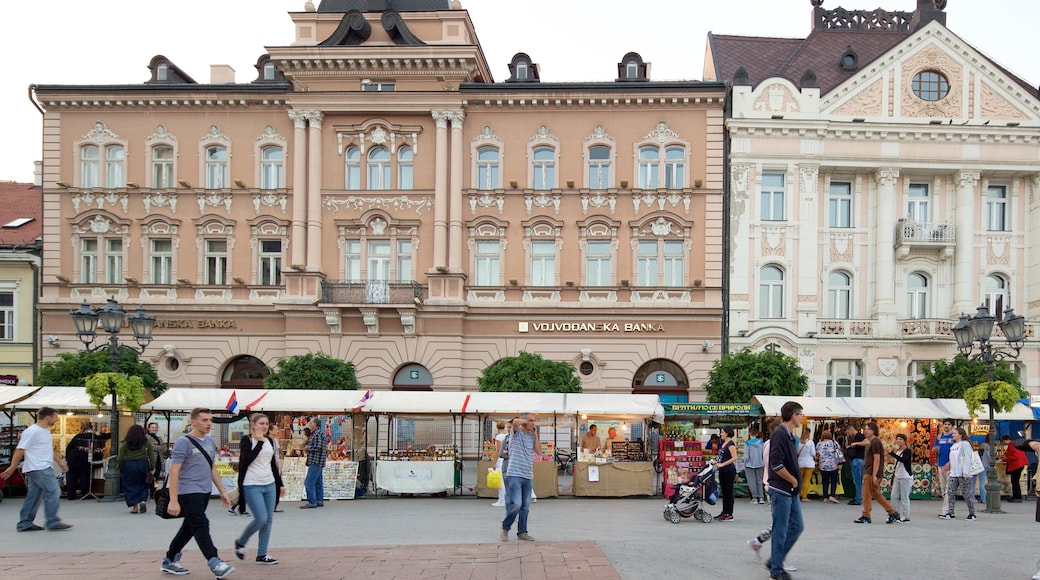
[598, 200]
[100, 225]
[391, 204]
[661, 134]
[866, 103]
[998, 250]
[214, 199]
[269, 134]
[486, 199]
[100, 133]
[810, 181]
[378, 226]
[159, 199]
[270, 199]
[161, 135]
[932, 58]
[887, 366]
[776, 98]
[91, 198]
[542, 200]
[214, 134]
[841, 248]
[774, 241]
[995, 106]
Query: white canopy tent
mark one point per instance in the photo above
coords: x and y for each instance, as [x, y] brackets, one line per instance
[889, 407]
[61, 399]
[622, 406]
[11, 395]
[289, 400]
[812, 406]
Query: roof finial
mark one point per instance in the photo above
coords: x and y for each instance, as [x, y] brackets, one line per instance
[816, 3]
[939, 4]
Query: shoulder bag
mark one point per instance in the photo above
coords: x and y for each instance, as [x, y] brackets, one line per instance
[162, 495]
[976, 463]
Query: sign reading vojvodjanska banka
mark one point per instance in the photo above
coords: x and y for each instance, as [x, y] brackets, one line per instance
[619, 327]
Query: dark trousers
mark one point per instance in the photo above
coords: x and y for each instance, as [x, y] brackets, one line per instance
[830, 483]
[726, 479]
[1016, 483]
[77, 480]
[194, 525]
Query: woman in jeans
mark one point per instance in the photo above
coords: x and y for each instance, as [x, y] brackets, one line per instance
[828, 454]
[903, 478]
[260, 482]
[960, 475]
[726, 457]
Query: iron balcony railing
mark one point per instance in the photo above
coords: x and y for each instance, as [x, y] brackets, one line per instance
[370, 292]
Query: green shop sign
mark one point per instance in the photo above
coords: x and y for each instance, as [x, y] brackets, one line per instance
[712, 409]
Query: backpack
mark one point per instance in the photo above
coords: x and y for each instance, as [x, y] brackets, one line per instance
[753, 455]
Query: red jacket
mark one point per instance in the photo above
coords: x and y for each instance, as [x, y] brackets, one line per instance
[1015, 459]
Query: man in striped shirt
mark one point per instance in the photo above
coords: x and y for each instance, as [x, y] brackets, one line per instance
[523, 444]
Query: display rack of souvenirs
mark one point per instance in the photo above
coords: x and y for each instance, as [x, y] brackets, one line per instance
[431, 453]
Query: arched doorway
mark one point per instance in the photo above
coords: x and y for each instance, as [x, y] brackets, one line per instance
[244, 372]
[663, 378]
[413, 377]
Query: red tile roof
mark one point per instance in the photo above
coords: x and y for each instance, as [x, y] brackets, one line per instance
[20, 200]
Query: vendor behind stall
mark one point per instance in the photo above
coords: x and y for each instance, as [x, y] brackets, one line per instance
[590, 441]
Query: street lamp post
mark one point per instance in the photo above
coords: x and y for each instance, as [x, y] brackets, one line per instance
[111, 317]
[974, 333]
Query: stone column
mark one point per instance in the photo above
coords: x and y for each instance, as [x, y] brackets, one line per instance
[298, 241]
[455, 209]
[808, 251]
[440, 197]
[314, 118]
[885, 217]
[964, 255]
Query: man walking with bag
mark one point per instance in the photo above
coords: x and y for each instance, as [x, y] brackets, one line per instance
[784, 483]
[192, 475]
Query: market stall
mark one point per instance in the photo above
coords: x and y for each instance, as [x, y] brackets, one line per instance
[10, 433]
[620, 468]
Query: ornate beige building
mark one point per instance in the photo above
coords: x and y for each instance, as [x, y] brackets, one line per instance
[884, 179]
[373, 194]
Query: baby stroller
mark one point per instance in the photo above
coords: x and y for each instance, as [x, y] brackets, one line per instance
[686, 501]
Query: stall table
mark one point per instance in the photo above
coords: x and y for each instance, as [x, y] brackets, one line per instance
[415, 476]
[616, 479]
[546, 480]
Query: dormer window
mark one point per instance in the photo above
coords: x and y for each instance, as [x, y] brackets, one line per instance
[849, 60]
[269, 71]
[162, 72]
[521, 71]
[632, 70]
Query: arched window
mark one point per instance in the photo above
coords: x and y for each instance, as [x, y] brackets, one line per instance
[632, 69]
[379, 168]
[89, 166]
[839, 295]
[245, 372]
[996, 298]
[918, 296]
[487, 168]
[272, 168]
[599, 167]
[544, 168]
[771, 292]
[162, 167]
[115, 166]
[353, 168]
[649, 167]
[216, 167]
[674, 167]
[404, 168]
[521, 70]
[664, 378]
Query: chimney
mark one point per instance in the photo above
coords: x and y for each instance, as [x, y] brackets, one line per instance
[38, 173]
[221, 74]
[927, 11]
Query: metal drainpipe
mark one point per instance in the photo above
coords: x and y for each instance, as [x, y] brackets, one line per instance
[726, 203]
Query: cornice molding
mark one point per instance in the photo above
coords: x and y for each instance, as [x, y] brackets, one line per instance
[925, 132]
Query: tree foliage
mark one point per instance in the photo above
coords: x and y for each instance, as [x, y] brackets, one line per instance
[313, 371]
[529, 373]
[951, 379]
[129, 390]
[73, 369]
[737, 377]
[1002, 396]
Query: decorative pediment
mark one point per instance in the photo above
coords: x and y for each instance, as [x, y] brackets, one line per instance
[776, 97]
[100, 133]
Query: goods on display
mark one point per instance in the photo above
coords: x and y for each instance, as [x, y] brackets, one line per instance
[627, 451]
[680, 460]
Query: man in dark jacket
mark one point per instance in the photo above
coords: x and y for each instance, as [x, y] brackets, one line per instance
[784, 483]
[84, 448]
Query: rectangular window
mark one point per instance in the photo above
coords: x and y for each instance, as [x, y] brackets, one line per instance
[88, 261]
[773, 194]
[996, 208]
[272, 169]
[674, 167]
[370, 86]
[647, 263]
[543, 263]
[162, 261]
[6, 315]
[839, 205]
[216, 262]
[404, 260]
[487, 170]
[544, 174]
[673, 263]
[914, 374]
[89, 166]
[270, 263]
[917, 203]
[162, 167]
[352, 269]
[598, 263]
[845, 379]
[487, 263]
[113, 261]
[115, 167]
[379, 260]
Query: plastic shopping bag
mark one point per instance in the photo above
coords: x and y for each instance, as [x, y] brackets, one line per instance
[494, 479]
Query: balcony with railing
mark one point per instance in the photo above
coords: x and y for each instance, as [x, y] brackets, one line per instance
[371, 292]
[925, 237]
[926, 329]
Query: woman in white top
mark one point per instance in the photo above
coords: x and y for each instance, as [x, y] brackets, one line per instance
[960, 475]
[260, 482]
[806, 460]
[499, 439]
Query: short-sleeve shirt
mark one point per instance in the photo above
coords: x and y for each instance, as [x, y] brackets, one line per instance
[857, 451]
[39, 450]
[875, 448]
[521, 455]
[944, 442]
[196, 473]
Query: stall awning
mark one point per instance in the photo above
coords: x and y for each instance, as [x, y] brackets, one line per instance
[959, 410]
[823, 407]
[10, 395]
[418, 402]
[60, 398]
[894, 407]
[620, 405]
[288, 400]
[516, 403]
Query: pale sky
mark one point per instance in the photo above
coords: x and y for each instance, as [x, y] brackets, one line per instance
[112, 41]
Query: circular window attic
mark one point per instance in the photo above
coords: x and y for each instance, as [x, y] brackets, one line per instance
[930, 85]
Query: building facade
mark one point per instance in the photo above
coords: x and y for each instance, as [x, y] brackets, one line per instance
[374, 195]
[884, 179]
[21, 228]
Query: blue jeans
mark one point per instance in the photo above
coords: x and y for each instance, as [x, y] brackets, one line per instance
[314, 485]
[260, 500]
[982, 486]
[41, 486]
[787, 527]
[518, 502]
[857, 477]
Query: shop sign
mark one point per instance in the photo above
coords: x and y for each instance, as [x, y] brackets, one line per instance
[712, 409]
[224, 469]
[185, 323]
[8, 380]
[593, 327]
[979, 429]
